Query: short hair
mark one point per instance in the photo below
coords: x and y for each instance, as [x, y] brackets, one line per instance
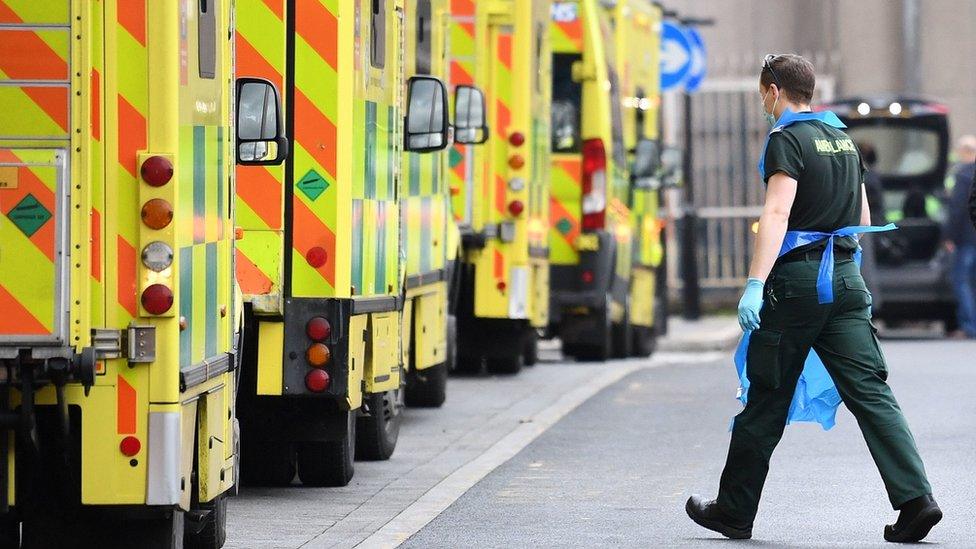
[792, 74]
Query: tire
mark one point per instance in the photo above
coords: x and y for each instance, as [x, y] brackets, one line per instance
[621, 334]
[467, 365]
[531, 353]
[213, 532]
[267, 464]
[377, 433]
[600, 351]
[427, 388]
[644, 341]
[509, 365]
[329, 463]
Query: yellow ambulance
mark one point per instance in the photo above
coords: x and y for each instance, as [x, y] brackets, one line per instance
[501, 190]
[604, 233]
[119, 324]
[320, 260]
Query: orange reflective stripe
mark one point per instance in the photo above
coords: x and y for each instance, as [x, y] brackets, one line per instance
[462, 7]
[127, 275]
[96, 106]
[459, 75]
[250, 277]
[277, 7]
[132, 16]
[319, 28]
[500, 191]
[316, 133]
[251, 63]
[132, 135]
[16, 319]
[261, 190]
[505, 50]
[125, 407]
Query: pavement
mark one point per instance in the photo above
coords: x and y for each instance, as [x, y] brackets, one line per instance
[572, 455]
[708, 333]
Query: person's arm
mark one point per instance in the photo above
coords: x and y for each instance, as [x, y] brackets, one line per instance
[865, 207]
[780, 193]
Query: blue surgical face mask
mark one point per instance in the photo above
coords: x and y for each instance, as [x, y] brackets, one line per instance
[769, 116]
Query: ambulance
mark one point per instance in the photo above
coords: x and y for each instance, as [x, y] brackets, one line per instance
[604, 234]
[119, 325]
[501, 190]
[319, 258]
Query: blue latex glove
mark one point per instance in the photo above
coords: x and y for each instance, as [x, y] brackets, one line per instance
[750, 304]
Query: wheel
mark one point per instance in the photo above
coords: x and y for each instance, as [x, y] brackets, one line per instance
[467, 365]
[622, 336]
[601, 349]
[508, 365]
[377, 433]
[644, 341]
[531, 353]
[267, 464]
[452, 350]
[212, 532]
[427, 388]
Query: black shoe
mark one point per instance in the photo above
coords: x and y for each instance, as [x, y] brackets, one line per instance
[915, 519]
[708, 515]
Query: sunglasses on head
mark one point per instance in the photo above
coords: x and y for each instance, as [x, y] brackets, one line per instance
[768, 66]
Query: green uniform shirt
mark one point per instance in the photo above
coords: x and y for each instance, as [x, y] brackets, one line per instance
[827, 168]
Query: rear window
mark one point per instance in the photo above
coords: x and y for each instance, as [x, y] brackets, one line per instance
[567, 97]
[902, 152]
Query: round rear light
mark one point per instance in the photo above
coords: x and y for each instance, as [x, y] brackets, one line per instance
[318, 355]
[501, 285]
[516, 139]
[130, 446]
[157, 299]
[157, 213]
[587, 277]
[516, 184]
[316, 257]
[516, 162]
[157, 256]
[516, 207]
[318, 329]
[317, 381]
[157, 171]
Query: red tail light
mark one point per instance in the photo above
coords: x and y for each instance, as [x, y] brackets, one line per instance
[594, 184]
[516, 139]
[516, 207]
[157, 171]
[587, 277]
[317, 381]
[130, 446]
[318, 329]
[157, 299]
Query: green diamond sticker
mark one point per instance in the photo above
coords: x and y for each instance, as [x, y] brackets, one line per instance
[564, 226]
[312, 184]
[454, 157]
[29, 215]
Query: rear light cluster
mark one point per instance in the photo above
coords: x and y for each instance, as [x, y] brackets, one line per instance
[157, 214]
[318, 355]
[594, 184]
[516, 162]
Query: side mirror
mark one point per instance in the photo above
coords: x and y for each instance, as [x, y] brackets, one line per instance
[261, 137]
[647, 164]
[470, 125]
[426, 125]
[672, 166]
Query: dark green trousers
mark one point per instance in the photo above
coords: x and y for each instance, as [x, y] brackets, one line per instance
[791, 323]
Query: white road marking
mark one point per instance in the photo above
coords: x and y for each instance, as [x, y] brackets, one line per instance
[426, 508]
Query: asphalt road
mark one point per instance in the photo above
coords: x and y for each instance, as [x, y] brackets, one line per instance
[616, 471]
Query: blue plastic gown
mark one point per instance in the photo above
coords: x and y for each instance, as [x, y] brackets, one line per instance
[816, 397]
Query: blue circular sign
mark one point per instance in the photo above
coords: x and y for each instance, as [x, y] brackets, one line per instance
[676, 56]
[696, 73]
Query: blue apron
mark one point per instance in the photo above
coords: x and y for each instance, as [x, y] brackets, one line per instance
[816, 397]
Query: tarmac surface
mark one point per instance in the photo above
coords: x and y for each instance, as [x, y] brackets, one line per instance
[590, 455]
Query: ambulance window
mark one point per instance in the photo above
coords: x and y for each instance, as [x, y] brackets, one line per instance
[567, 97]
[424, 25]
[616, 120]
[377, 35]
[207, 39]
